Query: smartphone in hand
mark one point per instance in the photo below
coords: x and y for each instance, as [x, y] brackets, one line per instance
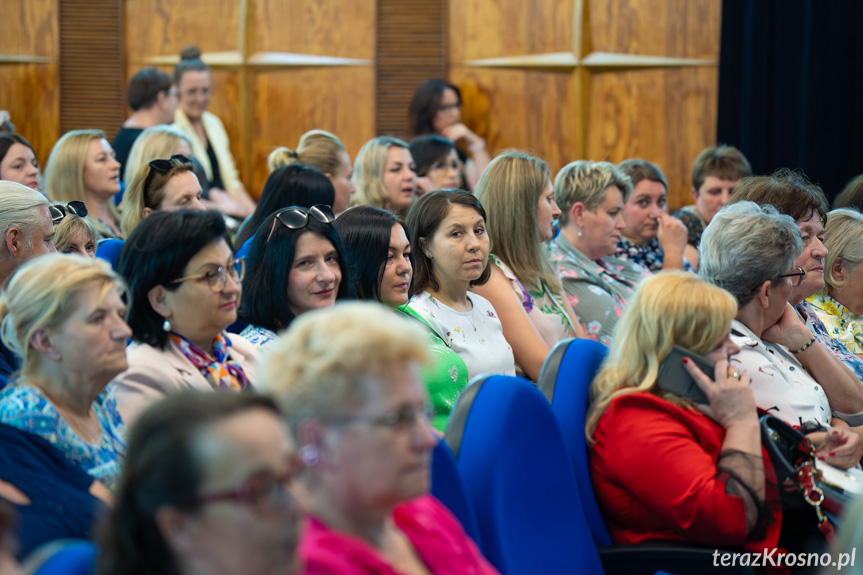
[674, 378]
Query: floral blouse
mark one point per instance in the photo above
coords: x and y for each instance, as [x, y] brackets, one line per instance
[693, 223]
[840, 322]
[597, 290]
[648, 255]
[26, 407]
[819, 330]
[260, 337]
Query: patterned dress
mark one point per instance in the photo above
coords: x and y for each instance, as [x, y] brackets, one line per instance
[693, 222]
[649, 254]
[819, 330]
[26, 407]
[841, 324]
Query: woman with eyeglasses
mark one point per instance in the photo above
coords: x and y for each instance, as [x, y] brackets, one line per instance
[82, 167]
[347, 380]
[184, 291]
[73, 232]
[205, 489]
[437, 162]
[295, 264]
[162, 184]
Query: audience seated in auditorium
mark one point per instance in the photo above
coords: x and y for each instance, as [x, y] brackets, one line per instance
[750, 250]
[524, 287]
[651, 238]
[437, 163]
[436, 109]
[792, 194]
[379, 261]
[591, 197]
[207, 134]
[321, 150]
[153, 100]
[358, 410]
[82, 168]
[73, 232]
[715, 173]
[63, 315]
[293, 185]
[184, 290]
[385, 175]
[18, 161]
[163, 184]
[295, 264]
[205, 489]
[451, 249]
[661, 469]
[851, 196]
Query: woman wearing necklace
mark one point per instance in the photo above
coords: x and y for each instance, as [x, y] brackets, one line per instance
[184, 291]
[451, 248]
[64, 315]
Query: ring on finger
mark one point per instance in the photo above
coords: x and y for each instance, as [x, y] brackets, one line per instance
[735, 375]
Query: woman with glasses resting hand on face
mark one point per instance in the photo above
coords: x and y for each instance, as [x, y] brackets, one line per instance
[205, 490]
[160, 185]
[437, 162]
[73, 232]
[358, 409]
[295, 264]
[184, 291]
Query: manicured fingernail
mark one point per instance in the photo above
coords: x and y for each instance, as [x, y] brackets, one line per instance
[832, 454]
[820, 458]
[685, 360]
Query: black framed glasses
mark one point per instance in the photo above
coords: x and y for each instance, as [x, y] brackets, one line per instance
[164, 166]
[297, 218]
[799, 274]
[217, 277]
[263, 491]
[60, 211]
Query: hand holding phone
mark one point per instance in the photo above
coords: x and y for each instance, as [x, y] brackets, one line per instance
[674, 378]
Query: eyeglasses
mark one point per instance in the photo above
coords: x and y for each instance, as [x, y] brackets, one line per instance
[217, 277]
[404, 419]
[799, 274]
[164, 166]
[297, 218]
[60, 211]
[448, 107]
[455, 165]
[263, 491]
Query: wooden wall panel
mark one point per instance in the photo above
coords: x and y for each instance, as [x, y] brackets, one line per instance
[164, 27]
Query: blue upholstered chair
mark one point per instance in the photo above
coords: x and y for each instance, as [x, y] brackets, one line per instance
[448, 487]
[109, 250]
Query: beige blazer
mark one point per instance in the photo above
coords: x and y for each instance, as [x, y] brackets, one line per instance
[218, 138]
[154, 373]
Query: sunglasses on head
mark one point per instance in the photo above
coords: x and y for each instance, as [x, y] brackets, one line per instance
[60, 211]
[297, 218]
[164, 166]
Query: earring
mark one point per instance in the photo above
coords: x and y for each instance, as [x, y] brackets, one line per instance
[166, 325]
[579, 233]
[309, 454]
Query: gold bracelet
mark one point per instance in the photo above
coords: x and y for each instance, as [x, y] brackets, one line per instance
[804, 348]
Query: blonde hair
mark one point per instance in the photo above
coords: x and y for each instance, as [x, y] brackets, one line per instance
[317, 148]
[68, 228]
[18, 205]
[668, 309]
[317, 370]
[509, 190]
[64, 172]
[842, 240]
[369, 172]
[135, 200]
[153, 143]
[42, 295]
[587, 182]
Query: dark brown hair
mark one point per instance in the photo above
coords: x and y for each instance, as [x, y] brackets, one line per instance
[190, 61]
[145, 86]
[788, 191]
[723, 162]
[425, 104]
[638, 170]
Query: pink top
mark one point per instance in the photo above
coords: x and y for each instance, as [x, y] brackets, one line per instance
[437, 537]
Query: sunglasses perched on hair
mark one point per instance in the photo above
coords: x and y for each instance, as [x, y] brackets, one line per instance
[164, 166]
[297, 218]
[60, 211]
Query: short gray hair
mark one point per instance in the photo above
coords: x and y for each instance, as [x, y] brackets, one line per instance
[18, 209]
[746, 245]
[587, 182]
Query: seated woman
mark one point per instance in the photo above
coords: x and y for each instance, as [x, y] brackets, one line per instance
[750, 250]
[385, 175]
[82, 168]
[293, 185]
[161, 184]
[358, 410]
[295, 264]
[184, 290]
[662, 469]
[524, 287]
[651, 238]
[591, 197]
[840, 303]
[451, 247]
[205, 489]
[437, 163]
[379, 259]
[64, 316]
[321, 150]
[18, 161]
[73, 232]
[156, 142]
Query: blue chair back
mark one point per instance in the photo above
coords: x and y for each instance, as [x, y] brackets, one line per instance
[448, 486]
[511, 454]
[68, 557]
[109, 250]
[565, 381]
[243, 250]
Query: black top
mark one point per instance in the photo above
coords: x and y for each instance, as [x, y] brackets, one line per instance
[216, 182]
[122, 145]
